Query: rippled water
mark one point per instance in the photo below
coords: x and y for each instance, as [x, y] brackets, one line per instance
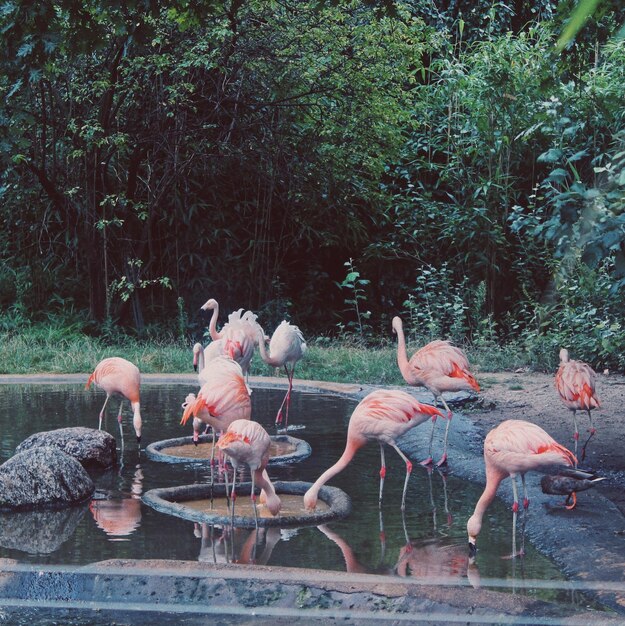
[429, 540]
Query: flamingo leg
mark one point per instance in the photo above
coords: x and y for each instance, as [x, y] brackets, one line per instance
[428, 461]
[592, 432]
[286, 400]
[102, 411]
[382, 537]
[119, 421]
[526, 510]
[575, 435]
[443, 459]
[432, 503]
[253, 495]
[382, 473]
[572, 496]
[515, 509]
[408, 472]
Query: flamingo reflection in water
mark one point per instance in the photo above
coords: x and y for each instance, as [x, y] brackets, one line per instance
[229, 544]
[119, 517]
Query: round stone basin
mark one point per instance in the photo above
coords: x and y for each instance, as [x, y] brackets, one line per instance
[283, 450]
[193, 502]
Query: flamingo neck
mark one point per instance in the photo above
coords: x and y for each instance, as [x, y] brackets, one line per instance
[474, 524]
[352, 446]
[136, 418]
[402, 356]
[264, 355]
[212, 326]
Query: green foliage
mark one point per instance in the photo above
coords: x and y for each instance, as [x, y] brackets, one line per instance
[587, 319]
[356, 299]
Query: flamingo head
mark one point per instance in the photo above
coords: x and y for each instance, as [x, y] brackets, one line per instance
[564, 355]
[197, 348]
[396, 324]
[474, 525]
[209, 305]
[310, 500]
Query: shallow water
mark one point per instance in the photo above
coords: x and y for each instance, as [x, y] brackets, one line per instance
[429, 540]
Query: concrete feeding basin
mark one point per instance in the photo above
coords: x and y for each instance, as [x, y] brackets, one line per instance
[196, 503]
[284, 450]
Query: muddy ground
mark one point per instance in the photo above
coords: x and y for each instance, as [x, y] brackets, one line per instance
[532, 397]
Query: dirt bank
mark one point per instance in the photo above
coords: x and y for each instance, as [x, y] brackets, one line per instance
[532, 397]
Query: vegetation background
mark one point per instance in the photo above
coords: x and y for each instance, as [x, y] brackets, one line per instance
[331, 163]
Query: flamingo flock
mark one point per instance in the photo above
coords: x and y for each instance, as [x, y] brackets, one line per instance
[223, 404]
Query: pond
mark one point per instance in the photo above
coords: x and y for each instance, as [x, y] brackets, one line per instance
[429, 540]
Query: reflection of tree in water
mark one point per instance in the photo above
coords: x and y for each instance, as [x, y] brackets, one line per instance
[228, 544]
[41, 531]
[120, 516]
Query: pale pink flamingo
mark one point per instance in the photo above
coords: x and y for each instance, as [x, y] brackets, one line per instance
[514, 447]
[239, 333]
[287, 347]
[247, 443]
[383, 416]
[575, 384]
[222, 399]
[117, 376]
[439, 367]
[201, 355]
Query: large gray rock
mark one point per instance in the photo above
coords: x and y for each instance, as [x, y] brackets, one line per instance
[92, 448]
[44, 476]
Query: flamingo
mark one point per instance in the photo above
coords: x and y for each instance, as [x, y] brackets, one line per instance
[287, 347]
[383, 416]
[201, 355]
[118, 376]
[246, 442]
[514, 447]
[568, 483]
[438, 367]
[222, 399]
[240, 333]
[575, 384]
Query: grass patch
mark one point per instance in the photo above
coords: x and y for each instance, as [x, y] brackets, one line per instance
[54, 350]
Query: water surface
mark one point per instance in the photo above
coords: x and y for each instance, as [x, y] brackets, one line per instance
[428, 541]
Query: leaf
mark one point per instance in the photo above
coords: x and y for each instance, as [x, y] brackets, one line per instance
[582, 11]
[551, 156]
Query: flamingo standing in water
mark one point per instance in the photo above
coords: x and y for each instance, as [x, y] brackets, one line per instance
[222, 399]
[383, 416]
[118, 376]
[239, 333]
[247, 443]
[575, 384]
[514, 447]
[287, 347]
[438, 367]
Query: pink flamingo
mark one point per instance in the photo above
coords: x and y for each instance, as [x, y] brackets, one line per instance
[287, 347]
[575, 384]
[438, 367]
[222, 399]
[247, 443]
[514, 447]
[202, 356]
[239, 333]
[383, 416]
[118, 376]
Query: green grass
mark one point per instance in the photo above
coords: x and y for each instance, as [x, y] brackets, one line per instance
[51, 349]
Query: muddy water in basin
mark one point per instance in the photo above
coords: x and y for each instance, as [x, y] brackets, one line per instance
[430, 536]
